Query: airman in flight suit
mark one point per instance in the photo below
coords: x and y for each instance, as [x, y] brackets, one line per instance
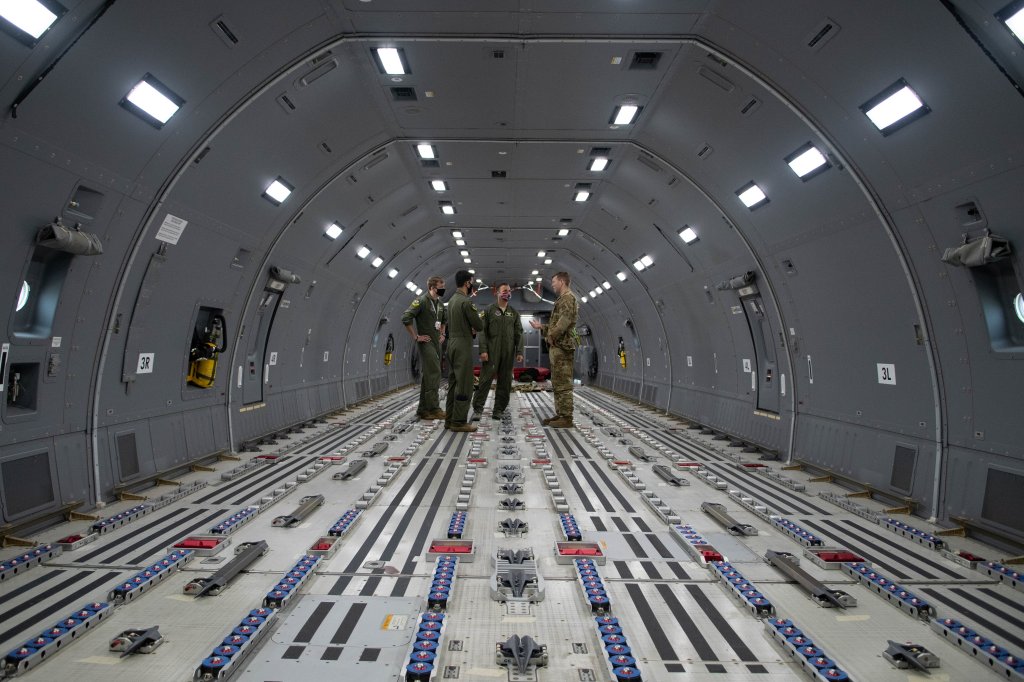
[429, 316]
[463, 320]
[500, 344]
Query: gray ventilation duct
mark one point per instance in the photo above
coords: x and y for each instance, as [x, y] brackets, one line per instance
[982, 250]
[59, 237]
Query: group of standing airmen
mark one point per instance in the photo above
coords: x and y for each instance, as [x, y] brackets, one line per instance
[429, 322]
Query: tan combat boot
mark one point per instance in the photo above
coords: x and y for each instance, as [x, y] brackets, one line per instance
[437, 414]
[548, 420]
[561, 423]
[462, 428]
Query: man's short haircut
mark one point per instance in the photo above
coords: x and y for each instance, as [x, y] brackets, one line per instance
[461, 277]
[564, 276]
[503, 284]
[434, 281]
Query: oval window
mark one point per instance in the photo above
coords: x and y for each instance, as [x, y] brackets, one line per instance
[26, 290]
[1018, 306]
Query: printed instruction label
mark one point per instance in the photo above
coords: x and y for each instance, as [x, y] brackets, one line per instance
[746, 365]
[171, 229]
[887, 374]
[327, 354]
[145, 363]
[273, 358]
[55, 342]
[689, 361]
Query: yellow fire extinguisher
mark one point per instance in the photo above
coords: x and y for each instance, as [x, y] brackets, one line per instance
[206, 346]
[389, 350]
[622, 353]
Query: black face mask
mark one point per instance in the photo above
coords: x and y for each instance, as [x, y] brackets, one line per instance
[440, 292]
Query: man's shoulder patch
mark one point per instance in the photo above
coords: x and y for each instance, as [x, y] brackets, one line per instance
[416, 303]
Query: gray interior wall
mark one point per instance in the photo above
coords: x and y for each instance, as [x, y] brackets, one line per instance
[847, 263]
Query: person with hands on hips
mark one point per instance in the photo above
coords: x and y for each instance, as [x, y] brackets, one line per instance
[426, 320]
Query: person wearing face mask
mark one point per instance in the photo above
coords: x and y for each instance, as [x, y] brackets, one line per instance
[463, 322]
[563, 340]
[500, 341]
[426, 319]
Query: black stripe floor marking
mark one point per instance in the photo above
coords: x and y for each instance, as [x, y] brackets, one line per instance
[180, 533]
[641, 524]
[907, 559]
[602, 498]
[623, 570]
[35, 621]
[635, 545]
[917, 556]
[650, 621]
[263, 485]
[1002, 598]
[315, 620]
[620, 524]
[348, 624]
[141, 528]
[721, 624]
[46, 577]
[659, 546]
[693, 633]
[781, 498]
[574, 482]
[1012, 620]
[598, 524]
[615, 488]
[869, 554]
[332, 653]
[223, 492]
[976, 618]
[292, 653]
[678, 570]
[651, 570]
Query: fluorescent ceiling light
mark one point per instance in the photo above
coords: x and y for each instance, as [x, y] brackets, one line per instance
[152, 101]
[547, 261]
[752, 196]
[894, 107]
[419, 292]
[392, 273]
[584, 299]
[593, 294]
[377, 262]
[456, 234]
[447, 208]
[362, 252]
[535, 272]
[598, 164]
[410, 286]
[471, 271]
[625, 114]
[391, 60]
[606, 285]
[439, 185]
[426, 151]
[277, 191]
[621, 276]
[541, 254]
[807, 161]
[647, 260]
[467, 260]
[539, 279]
[460, 242]
[463, 253]
[30, 16]
[581, 195]
[564, 232]
[333, 231]
[1013, 16]
[688, 235]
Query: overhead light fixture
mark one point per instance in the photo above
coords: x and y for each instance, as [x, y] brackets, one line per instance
[426, 151]
[471, 271]
[643, 262]
[752, 196]
[1013, 17]
[584, 299]
[467, 260]
[392, 273]
[621, 276]
[894, 107]
[606, 285]
[535, 272]
[410, 286]
[808, 161]
[419, 292]
[152, 101]
[460, 242]
[30, 19]
[456, 234]
[688, 235]
[547, 261]
[593, 294]
[625, 114]
[362, 252]
[463, 253]
[447, 207]
[598, 163]
[391, 60]
[333, 231]
[541, 254]
[539, 279]
[277, 191]
[377, 262]
[439, 185]
[582, 192]
[563, 232]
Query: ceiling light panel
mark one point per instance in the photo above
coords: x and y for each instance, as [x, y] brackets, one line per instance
[621, 276]
[446, 207]
[152, 101]
[752, 196]
[547, 261]
[1012, 17]
[606, 285]
[426, 151]
[362, 252]
[277, 191]
[598, 164]
[563, 232]
[391, 60]
[625, 114]
[460, 242]
[807, 161]
[541, 254]
[456, 234]
[688, 235]
[894, 107]
[377, 262]
[333, 231]
[28, 20]
[392, 273]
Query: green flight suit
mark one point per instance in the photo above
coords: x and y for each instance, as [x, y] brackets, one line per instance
[429, 316]
[563, 340]
[463, 318]
[502, 340]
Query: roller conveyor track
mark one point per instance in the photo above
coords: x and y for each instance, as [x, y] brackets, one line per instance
[679, 619]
